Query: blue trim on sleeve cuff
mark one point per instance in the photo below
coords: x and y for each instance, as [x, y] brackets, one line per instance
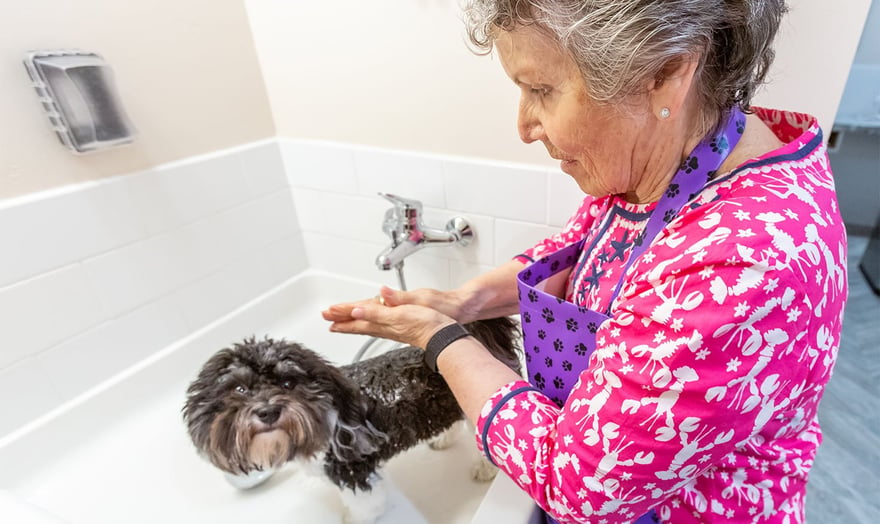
[495, 409]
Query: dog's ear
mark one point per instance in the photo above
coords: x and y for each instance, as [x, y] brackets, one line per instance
[352, 435]
[208, 378]
[202, 400]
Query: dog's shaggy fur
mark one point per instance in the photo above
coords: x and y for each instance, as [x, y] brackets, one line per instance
[261, 403]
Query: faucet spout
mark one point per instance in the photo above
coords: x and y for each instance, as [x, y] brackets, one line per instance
[403, 223]
[393, 256]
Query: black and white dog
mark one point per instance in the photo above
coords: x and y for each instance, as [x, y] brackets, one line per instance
[262, 403]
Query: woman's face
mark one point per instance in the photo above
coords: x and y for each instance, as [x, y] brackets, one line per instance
[596, 144]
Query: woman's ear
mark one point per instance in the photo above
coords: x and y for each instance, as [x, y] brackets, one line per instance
[668, 92]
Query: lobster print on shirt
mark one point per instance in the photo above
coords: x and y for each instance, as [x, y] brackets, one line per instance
[701, 397]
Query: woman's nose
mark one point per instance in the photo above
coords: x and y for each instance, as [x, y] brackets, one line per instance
[530, 128]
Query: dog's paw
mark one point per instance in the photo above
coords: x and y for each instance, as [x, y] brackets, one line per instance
[446, 439]
[483, 470]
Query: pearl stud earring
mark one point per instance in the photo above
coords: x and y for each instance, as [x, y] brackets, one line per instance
[664, 113]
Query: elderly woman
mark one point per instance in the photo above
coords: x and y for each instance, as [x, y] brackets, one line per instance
[700, 285]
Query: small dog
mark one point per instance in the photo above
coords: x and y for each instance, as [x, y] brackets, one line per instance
[265, 402]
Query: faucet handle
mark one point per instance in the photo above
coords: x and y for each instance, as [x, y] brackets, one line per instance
[406, 206]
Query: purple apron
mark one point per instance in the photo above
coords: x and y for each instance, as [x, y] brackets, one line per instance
[558, 336]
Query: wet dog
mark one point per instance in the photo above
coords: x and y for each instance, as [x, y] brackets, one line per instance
[262, 403]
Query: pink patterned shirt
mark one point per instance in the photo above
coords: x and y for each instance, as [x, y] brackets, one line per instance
[701, 398]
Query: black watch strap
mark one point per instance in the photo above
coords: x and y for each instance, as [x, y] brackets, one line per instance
[441, 339]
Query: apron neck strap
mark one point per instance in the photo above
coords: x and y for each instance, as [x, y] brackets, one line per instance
[694, 173]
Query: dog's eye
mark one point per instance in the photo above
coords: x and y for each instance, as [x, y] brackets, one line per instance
[287, 383]
[241, 389]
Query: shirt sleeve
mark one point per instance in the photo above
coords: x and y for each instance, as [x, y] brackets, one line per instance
[704, 350]
[572, 232]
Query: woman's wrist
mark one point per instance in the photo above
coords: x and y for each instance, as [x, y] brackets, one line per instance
[435, 327]
[490, 295]
[440, 340]
[465, 302]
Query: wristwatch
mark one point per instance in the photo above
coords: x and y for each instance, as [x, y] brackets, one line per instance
[440, 340]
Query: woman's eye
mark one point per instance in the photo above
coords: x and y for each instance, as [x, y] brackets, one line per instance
[540, 91]
[287, 384]
[241, 389]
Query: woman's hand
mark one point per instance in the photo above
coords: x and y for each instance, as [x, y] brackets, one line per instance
[492, 294]
[407, 323]
[447, 302]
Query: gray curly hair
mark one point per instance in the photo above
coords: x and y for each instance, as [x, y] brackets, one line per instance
[620, 45]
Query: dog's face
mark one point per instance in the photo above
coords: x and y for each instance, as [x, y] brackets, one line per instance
[261, 403]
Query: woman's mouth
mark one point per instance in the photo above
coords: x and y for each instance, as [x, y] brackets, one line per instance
[565, 164]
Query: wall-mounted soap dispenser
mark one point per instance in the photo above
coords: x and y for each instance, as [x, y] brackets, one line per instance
[77, 91]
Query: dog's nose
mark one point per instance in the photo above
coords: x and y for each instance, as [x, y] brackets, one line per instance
[269, 414]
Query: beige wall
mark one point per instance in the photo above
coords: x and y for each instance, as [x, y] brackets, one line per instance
[388, 73]
[186, 71]
[396, 73]
[817, 44]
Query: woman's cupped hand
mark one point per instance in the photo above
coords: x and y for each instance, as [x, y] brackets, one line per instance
[406, 317]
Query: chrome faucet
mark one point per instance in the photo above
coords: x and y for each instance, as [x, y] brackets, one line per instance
[403, 223]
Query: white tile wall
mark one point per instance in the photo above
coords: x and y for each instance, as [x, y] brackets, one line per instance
[354, 258]
[414, 176]
[320, 165]
[503, 191]
[26, 391]
[247, 275]
[41, 235]
[512, 237]
[460, 272]
[44, 311]
[188, 192]
[92, 357]
[345, 216]
[564, 197]
[263, 168]
[100, 275]
[509, 207]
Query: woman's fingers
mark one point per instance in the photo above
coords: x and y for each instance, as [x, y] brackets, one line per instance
[392, 297]
[407, 323]
[356, 327]
[431, 298]
[359, 318]
[397, 297]
[410, 317]
[338, 312]
[445, 302]
[386, 297]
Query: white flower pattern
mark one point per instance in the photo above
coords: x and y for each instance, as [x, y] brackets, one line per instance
[701, 398]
